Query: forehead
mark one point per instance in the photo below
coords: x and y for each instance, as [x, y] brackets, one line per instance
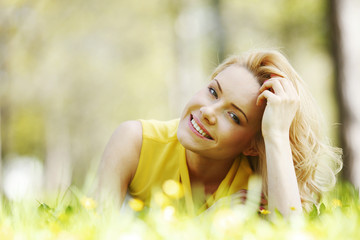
[238, 79]
[240, 87]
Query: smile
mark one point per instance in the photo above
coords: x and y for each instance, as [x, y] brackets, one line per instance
[200, 130]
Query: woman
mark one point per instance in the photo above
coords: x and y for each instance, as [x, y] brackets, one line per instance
[255, 116]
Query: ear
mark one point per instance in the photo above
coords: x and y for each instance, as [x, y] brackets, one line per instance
[251, 151]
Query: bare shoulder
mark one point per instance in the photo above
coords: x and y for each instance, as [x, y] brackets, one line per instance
[119, 162]
[122, 152]
[126, 140]
[128, 132]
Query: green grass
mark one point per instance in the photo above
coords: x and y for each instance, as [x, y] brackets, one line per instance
[75, 216]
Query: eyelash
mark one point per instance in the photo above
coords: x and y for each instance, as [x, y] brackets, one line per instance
[213, 92]
[232, 115]
[234, 118]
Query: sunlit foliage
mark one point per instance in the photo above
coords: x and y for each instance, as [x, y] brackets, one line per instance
[71, 71]
[76, 216]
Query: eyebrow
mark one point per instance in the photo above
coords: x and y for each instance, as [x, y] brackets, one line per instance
[232, 104]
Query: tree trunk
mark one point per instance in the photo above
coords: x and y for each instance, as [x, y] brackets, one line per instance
[345, 19]
[4, 130]
[197, 26]
[219, 31]
[1, 181]
[58, 158]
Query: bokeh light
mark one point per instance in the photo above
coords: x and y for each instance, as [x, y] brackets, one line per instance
[173, 189]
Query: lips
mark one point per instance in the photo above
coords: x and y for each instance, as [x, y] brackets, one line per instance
[199, 128]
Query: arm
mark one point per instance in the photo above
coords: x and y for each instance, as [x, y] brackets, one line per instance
[282, 104]
[119, 163]
[283, 191]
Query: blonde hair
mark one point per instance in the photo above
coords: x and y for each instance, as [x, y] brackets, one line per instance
[316, 162]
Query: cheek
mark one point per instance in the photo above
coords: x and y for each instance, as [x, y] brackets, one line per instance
[240, 138]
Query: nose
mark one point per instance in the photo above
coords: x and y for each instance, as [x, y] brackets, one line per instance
[208, 114]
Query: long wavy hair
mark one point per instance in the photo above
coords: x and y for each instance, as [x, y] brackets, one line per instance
[316, 161]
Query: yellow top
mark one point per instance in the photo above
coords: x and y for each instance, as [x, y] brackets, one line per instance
[163, 158]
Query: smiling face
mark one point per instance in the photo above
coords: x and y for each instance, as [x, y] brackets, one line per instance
[222, 119]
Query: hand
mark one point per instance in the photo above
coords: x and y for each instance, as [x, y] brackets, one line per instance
[282, 104]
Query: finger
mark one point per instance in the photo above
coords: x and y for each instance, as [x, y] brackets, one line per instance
[267, 84]
[274, 75]
[288, 86]
[288, 89]
[263, 97]
[274, 85]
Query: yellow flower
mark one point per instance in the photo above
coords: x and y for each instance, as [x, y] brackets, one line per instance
[336, 203]
[264, 211]
[173, 189]
[169, 213]
[54, 227]
[136, 204]
[225, 219]
[6, 232]
[161, 199]
[63, 217]
[88, 203]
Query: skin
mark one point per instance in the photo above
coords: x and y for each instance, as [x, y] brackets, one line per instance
[216, 108]
[282, 102]
[231, 109]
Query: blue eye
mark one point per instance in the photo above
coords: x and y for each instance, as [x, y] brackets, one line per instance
[213, 92]
[235, 118]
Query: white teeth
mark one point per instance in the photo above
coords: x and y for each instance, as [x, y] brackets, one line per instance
[199, 129]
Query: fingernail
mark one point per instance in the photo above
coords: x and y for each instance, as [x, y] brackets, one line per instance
[274, 75]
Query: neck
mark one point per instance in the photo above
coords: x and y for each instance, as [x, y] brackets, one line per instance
[207, 171]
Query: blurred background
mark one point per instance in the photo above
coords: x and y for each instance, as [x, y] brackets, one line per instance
[72, 71]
